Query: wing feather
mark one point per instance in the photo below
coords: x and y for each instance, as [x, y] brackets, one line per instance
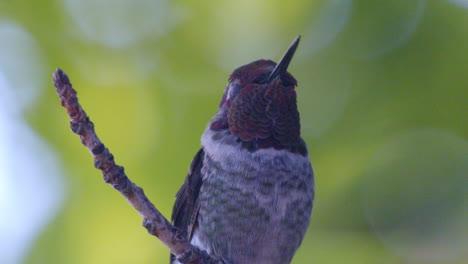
[185, 210]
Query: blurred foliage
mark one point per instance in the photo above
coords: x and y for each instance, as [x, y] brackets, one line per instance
[382, 94]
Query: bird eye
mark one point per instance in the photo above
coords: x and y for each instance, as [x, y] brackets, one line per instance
[261, 79]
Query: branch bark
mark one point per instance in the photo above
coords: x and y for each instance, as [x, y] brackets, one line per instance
[156, 224]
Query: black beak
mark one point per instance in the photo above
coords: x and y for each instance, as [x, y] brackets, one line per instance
[283, 64]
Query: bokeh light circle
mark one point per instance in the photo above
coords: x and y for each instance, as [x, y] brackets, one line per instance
[244, 31]
[329, 23]
[31, 190]
[323, 103]
[415, 194]
[21, 64]
[461, 3]
[378, 27]
[120, 23]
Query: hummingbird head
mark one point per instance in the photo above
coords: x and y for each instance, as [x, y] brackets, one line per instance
[259, 105]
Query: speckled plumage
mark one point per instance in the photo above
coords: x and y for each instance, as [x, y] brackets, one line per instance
[249, 192]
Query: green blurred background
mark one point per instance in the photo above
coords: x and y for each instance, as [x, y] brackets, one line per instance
[382, 94]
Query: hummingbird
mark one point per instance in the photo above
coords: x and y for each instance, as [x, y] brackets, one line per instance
[248, 195]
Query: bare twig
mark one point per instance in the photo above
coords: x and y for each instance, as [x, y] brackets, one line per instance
[114, 175]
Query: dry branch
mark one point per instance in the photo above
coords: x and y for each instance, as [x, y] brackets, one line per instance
[114, 175]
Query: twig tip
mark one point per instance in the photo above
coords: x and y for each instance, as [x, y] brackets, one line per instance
[60, 77]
